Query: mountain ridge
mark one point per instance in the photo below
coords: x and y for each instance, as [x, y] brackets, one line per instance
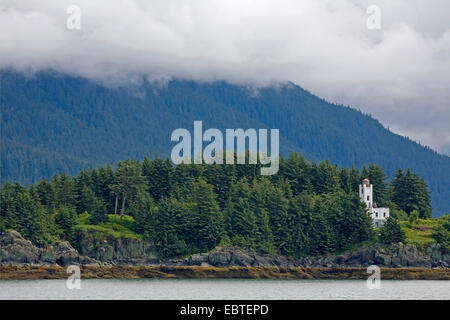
[66, 123]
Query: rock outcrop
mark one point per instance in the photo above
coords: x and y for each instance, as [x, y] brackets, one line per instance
[115, 250]
[226, 257]
[392, 256]
[14, 249]
[395, 255]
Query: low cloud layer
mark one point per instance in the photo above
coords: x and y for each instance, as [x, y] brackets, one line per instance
[400, 74]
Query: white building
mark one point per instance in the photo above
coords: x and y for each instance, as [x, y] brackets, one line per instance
[378, 215]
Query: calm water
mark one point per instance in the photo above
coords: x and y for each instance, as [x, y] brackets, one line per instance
[223, 289]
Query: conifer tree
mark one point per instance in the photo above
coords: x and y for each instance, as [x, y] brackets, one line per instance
[87, 200]
[158, 173]
[66, 219]
[263, 236]
[46, 194]
[168, 223]
[239, 218]
[378, 178]
[277, 207]
[391, 232]
[143, 210]
[129, 181]
[325, 177]
[295, 170]
[410, 192]
[345, 181]
[207, 217]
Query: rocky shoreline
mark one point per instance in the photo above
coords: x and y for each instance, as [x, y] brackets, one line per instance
[131, 258]
[186, 272]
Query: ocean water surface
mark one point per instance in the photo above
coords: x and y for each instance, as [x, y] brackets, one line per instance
[239, 289]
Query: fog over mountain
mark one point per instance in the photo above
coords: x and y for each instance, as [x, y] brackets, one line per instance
[400, 73]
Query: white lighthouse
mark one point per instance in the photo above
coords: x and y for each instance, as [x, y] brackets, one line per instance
[378, 215]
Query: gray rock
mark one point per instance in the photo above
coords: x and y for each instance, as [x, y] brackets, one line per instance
[65, 254]
[240, 258]
[105, 253]
[197, 259]
[15, 249]
[47, 255]
[106, 249]
[219, 258]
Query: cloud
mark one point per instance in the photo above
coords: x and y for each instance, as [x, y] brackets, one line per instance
[400, 73]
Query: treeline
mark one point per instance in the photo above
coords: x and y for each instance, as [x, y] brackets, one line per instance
[306, 209]
[57, 123]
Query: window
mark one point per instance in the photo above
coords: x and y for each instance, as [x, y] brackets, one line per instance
[384, 214]
[376, 214]
[368, 197]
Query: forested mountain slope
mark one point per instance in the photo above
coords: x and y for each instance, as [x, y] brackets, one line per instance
[52, 123]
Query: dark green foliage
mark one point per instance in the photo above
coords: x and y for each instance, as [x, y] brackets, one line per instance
[307, 209]
[172, 219]
[410, 193]
[295, 170]
[346, 229]
[442, 234]
[239, 217]
[66, 219]
[324, 177]
[87, 200]
[98, 212]
[46, 194]
[143, 209]
[65, 193]
[207, 219]
[277, 205]
[221, 177]
[53, 123]
[129, 181]
[378, 178]
[21, 211]
[263, 236]
[391, 232]
[158, 174]
[93, 205]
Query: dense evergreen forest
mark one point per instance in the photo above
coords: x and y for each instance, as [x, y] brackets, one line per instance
[54, 123]
[308, 208]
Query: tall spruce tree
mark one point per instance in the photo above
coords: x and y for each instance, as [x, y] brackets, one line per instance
[158, 173]
[239, 217]
[143, 210]
[410, 192]
[378, 178]
[129, 181]
[208, 218]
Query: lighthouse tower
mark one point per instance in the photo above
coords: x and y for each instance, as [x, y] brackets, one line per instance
[378, 215]
[366, 193]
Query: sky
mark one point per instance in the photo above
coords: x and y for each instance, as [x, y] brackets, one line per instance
[399, 72]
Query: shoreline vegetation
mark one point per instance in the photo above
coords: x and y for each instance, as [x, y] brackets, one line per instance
[221, 221]
[308, 209]
[198, 272]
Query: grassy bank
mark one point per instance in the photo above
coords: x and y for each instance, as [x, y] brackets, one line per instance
[138, 272]
[420, 231]
[114, 227]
